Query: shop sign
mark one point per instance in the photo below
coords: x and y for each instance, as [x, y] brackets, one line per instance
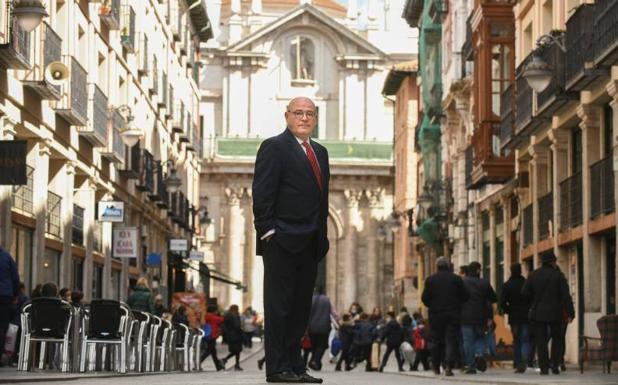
[125, 242]
[153, 259]
[111, 211]
[179, 245]
[13, 162]
[195, 255]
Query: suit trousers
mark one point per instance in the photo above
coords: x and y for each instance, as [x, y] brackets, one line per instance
[543, 331]
[289, 279]
[443, 334]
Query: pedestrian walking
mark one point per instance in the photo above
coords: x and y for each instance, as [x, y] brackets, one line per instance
[65, 294]
[233, 335]
[290, 207]
[444, 294]
[159, 309]
[476, 318]
[249, 327]
[421, 346]
[346, 335]
[516, 306]
[550, 298]
[364, 335]
[407, 346]
[393, 335]
[212, 323]
[9, 290]
[141, 298]
[319, 327]
[180, 315]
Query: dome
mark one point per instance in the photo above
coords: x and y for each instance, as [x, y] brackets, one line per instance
[331, 7]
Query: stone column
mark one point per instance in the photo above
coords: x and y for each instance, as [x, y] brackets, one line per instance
[39, 199]
[66, 217]
[492, 247]
[89, 223]
[234, 238]
[593, 246]
[7, 132]
[560, 148]
[350, 271]
[538, 164]
[375, 209]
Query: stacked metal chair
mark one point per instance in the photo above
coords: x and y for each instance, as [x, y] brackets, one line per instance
[139, 344]
[46, 320]
[105, 322]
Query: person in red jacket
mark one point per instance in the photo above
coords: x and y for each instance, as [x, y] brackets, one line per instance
[211, 327]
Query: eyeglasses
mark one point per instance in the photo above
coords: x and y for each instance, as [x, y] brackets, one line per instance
[299, 114]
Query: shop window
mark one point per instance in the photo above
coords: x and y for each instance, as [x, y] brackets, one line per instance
[97, 281]
[78, 274]
[50, 267]
[21, 250]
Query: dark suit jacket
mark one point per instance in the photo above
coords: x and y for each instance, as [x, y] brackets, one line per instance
[549, 292]
[286, 195]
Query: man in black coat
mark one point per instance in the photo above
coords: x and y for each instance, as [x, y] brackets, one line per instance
[549, 292]
[476, 314]
[513, 303]
[319, 327]
[290, 207]
[444, 293]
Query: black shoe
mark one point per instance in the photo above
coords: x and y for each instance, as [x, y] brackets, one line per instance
[307, 379]
[481, 365]
[563, 368]
[337, 368]
[381, 369]
[348, 368]
[284, 377]
[237, 368]
[521, 369]
[448, 372]
[436, 371]
[555, 370]
[313, 366]
[260, 364]
[544, 372]
[470, 371]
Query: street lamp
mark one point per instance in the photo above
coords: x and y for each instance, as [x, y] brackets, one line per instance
[173, 181]
[425, 200]
[130, 133]
[538, 73]
[29, 14]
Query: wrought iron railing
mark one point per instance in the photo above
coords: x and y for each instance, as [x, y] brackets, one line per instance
[571, 201]
[22, 194]
[602, 187]
[546, 215]
[605, 27]
[118, 146]
[52, 50]
[109, 12]
[100, 115]
[78, 225]
[155, 76]
[79, 89]
[170, 101]
[146, 180]
[469, 166]
[16, 53]
[164, 89]
[528, 225]
[524, 101]
[53, 224]
[555, 57]
[506, 114]
[128, 29]
[579, 41]
[162, 193]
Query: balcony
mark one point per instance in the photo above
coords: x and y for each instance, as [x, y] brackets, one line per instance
[146, 179]
[490, 166]
[143, 68]
[579, 48]
[162, 194]
[506, 116]
[412, 12]
[95, 131]
[53, 224]
[115, 150]
[178, 207]
[554, 97]
[15, 54]
[571, 202]
[546, 216]
[438, 9]
[154, 74]
[605, 32]
[601, 188]
[523, 116]
[22, 194]
[73, 106]
[78, 226]
[469, 158]
[528, 226]
[193, 143]
[127, 36]
[164, 96]
[169, 105]
[49, 51]
[179, 117]
[185, 135]
[109, 12]
[133, 164]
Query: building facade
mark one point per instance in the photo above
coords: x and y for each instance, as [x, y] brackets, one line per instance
[266, 53]
[112, 60]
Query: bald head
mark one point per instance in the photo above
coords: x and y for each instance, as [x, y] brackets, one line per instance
[301, 117]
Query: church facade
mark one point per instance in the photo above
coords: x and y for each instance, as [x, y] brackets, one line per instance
[265, 54]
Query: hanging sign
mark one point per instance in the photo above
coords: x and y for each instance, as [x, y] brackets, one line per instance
[195, 255]
[111, 211]
[125, 242]
[179, 245]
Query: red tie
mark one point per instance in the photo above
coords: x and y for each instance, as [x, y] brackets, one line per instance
[314, 163]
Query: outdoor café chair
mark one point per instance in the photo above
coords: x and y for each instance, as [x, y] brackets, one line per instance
[46, 320]
[182, 345]
[105, 322]
[140, 341]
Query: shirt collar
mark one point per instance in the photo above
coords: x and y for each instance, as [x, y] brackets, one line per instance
[300, 141]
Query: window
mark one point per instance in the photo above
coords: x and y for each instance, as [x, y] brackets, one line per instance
[50, 267]
[486, 246]
[116, 285]
[78, 225]
[500, 74]
[608, 123]
[97, 281]
[53, 225]
[22, 194]
[576, 151]
[499, 257]
[21, 250]
[78, 274]
[302, 58]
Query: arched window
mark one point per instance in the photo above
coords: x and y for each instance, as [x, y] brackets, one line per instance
[302, 59]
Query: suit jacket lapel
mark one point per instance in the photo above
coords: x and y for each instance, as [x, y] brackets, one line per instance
[319, 154]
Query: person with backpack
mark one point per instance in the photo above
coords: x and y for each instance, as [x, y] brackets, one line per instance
[421, 336]
[211, 327]
[393, 335]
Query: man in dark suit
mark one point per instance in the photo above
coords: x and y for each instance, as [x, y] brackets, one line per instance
[290, 206]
